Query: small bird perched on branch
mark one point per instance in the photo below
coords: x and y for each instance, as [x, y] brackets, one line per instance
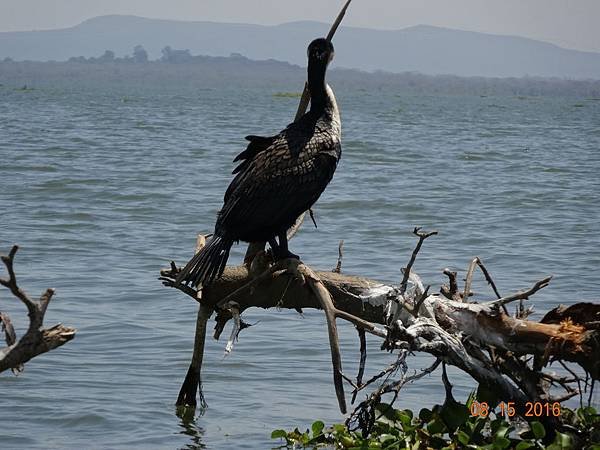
[278, 178]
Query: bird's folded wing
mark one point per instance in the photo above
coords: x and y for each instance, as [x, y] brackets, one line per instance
[275, 187]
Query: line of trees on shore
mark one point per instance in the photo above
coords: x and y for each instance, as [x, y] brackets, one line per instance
[140, 56]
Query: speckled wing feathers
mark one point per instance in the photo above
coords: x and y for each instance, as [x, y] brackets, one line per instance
[276, 183]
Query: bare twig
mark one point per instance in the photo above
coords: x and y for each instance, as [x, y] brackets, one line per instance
[578, 380]
[363, 359]
[422, 236]
[521, 295]
[451, 290]
[469, 279]
[363, 417]
[488, 277]
[11, 284]
[338, 267]
[9, 331]
[395, 387]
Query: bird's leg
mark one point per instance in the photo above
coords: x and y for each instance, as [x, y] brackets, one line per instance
[283, 251]
[274, 248]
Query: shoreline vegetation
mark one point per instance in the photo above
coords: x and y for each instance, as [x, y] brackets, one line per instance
[450, 426]
[183, 68]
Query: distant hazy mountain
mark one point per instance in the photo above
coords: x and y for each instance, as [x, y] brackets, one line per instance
[422, 48]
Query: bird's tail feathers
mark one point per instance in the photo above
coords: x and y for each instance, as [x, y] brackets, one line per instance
[208, 264]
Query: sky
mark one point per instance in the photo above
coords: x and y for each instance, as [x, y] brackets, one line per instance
[568, 23]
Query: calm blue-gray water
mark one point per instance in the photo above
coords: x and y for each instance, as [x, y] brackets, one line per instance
[101, 187]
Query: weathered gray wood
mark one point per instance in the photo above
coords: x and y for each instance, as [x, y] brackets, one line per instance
[36, 340]
[431, 324]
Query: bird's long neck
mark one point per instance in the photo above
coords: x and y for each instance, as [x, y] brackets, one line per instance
[316, 85]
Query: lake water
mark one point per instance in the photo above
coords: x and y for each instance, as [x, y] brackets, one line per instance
[102, 186]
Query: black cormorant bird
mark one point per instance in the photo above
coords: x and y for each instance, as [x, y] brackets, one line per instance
[278, 178]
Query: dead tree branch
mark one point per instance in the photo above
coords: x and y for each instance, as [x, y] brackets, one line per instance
[406, 271]
[453, 331]
[524, 295]
[37, 339]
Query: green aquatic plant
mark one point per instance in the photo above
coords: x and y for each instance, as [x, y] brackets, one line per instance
[450, 426]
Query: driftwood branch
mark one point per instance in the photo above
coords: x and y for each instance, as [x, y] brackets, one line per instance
[455, 332]
[36, 339]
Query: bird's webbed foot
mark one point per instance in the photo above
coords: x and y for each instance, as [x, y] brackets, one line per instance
[280, 250]
[278, 253]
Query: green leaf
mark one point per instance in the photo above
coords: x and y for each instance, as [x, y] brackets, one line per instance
[524, 445]
[588, 415]
[406, 412]
[385, 409]
[386, 437]
[562, 441]
[502, 431]
[538, 430]
[317, 427]
[339, 428]
[436, 426]
[346, 441]
[454, 415]
[276, 434]
[405, 418]
[305, 438]
[496, 424]
[500, 443]
[385, 413]
[425, 415]
[463, 437]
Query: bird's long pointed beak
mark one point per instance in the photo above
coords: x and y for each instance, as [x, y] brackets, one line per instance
[337, 22]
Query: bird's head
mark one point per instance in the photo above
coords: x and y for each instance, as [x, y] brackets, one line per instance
[320, 50]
